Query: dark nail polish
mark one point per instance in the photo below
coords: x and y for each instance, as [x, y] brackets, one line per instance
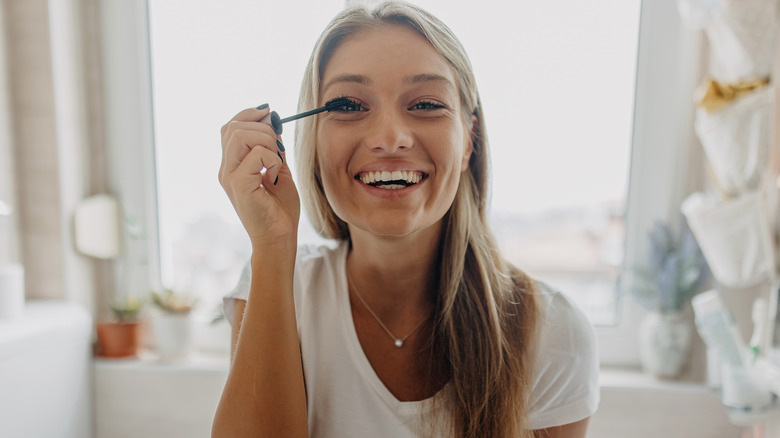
[280, 145]
[276, 180]
[276, 122]
[280, 156]
[262, 107]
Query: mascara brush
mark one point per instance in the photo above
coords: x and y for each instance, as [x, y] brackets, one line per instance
[276, 121]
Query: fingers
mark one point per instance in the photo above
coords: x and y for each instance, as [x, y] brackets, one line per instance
[242, 133]
[260, 167]
[241, 137]
[249, 115]
[247, 119]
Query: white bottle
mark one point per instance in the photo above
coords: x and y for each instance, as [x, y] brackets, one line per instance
[745, 392]
[717, 328]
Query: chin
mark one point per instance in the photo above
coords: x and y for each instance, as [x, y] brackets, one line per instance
[403, 227]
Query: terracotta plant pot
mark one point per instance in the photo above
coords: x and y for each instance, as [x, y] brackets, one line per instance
[119, 339]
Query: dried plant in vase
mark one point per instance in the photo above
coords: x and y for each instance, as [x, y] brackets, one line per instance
[676, 271]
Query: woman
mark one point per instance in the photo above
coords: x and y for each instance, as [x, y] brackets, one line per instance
[414, 325]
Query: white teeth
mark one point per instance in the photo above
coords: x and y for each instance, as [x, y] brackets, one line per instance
[410, 176]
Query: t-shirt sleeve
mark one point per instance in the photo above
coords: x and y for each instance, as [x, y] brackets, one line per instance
[240, 292]
[304, 256]
[566, 387]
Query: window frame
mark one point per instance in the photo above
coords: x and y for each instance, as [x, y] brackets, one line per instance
[662, 163]
[668, 69]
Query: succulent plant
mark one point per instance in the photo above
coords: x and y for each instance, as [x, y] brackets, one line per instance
[171, 301]
[127, 309]
[675, 272]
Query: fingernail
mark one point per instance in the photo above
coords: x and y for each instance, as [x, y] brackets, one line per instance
[262, 107]
[276, 122]
[280, 156]
[276, 180]
[279, 143]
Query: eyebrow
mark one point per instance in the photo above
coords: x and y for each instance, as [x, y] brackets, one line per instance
[364, 80]
[427, 77]
[356, 79]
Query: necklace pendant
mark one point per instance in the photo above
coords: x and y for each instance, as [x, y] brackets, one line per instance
[399, 343]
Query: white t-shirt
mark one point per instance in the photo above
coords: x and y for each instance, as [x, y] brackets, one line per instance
[347, 399]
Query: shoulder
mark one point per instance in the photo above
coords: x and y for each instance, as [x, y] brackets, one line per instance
[563, 327]
[566, 366]
[312, 262]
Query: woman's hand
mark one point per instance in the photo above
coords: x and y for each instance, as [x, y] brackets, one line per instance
[257, 180]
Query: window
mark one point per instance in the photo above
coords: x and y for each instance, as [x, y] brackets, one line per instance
[558, 194]
[578, 86]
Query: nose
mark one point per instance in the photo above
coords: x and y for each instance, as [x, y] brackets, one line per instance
[389, 132]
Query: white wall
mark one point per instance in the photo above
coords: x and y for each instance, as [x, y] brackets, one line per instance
[48, 139]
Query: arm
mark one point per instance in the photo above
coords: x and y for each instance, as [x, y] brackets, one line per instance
[238, 316]
[571, 430]
[264, 393]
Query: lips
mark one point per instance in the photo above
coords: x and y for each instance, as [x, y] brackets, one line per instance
[391, 180]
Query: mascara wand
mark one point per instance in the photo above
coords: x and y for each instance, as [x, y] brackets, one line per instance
[276, 121]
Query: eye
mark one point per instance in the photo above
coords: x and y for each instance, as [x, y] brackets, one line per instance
[426, 105]
[347, 106]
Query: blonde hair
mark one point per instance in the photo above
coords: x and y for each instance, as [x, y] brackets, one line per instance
[485, 321]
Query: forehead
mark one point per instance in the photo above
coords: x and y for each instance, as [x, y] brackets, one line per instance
[387, 51]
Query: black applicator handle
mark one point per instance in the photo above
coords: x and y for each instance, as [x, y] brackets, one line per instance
[276, 122]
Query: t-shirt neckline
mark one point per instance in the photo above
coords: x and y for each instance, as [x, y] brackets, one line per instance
[359, 356]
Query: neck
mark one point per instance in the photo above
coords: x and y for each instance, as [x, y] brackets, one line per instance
[394, 274]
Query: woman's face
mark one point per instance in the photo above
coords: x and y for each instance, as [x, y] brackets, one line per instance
[391, 162]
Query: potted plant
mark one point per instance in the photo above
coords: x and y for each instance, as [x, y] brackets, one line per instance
[123, 336]
[172, 323]
[676, 271]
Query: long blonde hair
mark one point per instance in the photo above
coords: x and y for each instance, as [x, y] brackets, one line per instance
[485, 321]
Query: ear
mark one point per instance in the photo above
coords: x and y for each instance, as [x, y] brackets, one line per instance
[470, 146]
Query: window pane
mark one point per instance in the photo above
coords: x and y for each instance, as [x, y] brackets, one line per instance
[556, 80]
[557, 83]
[210, 60]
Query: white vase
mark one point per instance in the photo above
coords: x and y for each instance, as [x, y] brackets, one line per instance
[664, 343]
[173, 334]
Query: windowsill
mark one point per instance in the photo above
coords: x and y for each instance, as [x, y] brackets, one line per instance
[619, 378]
[149, 361]
[632, 378]
[186, 393]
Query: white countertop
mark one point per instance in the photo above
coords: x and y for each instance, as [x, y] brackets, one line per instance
[43, 324]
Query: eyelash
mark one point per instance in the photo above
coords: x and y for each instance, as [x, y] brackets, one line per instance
[354, 106]
[429, 105]
[351, 107]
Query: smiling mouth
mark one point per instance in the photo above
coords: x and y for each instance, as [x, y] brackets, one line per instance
[391, 180]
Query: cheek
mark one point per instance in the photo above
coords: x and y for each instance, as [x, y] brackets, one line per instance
[458, 152]
[331, 161]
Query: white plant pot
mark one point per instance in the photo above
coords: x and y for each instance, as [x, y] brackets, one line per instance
[664, 343]
[173, 334]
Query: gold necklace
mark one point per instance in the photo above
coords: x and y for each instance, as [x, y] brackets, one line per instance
[399, 342]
